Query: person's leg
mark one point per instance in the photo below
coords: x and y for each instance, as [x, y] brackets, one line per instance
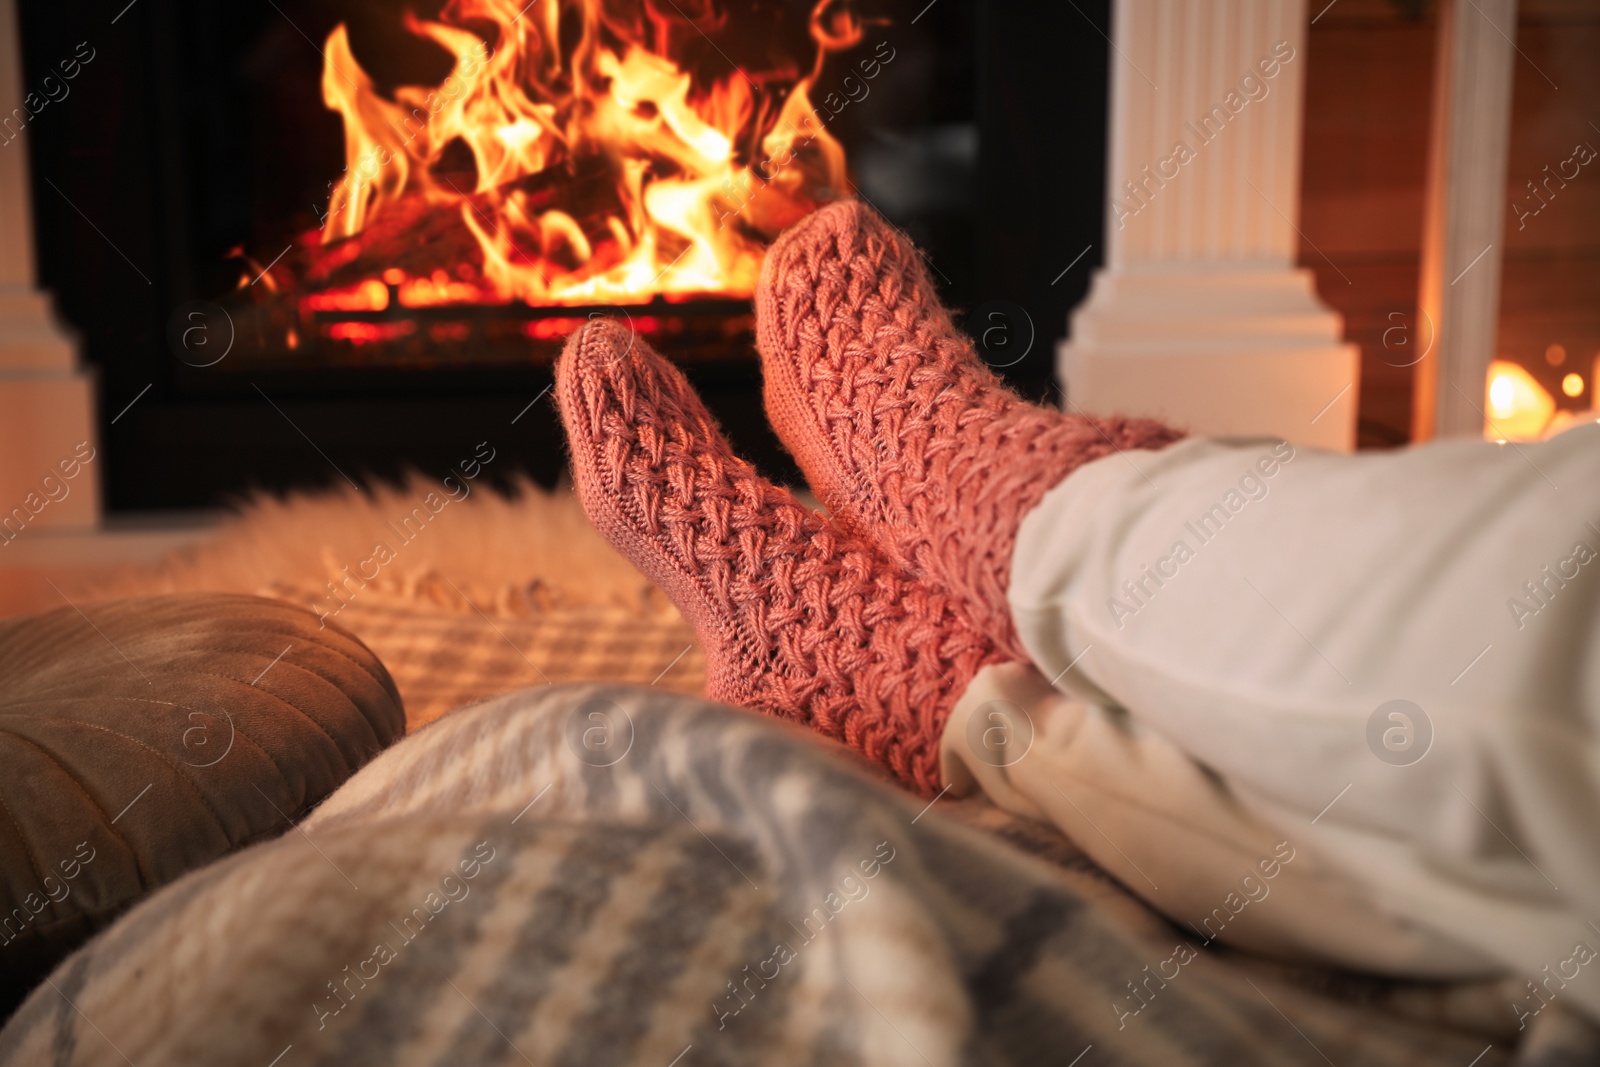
[1166, 828]
[796, 618]
[904, 434]
[1264, 637]
[1394, 658]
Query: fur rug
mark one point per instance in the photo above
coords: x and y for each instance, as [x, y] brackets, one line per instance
[513, 556]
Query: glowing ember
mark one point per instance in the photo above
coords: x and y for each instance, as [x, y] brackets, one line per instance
[603, 169]
[370, 295]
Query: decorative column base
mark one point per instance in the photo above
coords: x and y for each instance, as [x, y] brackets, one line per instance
[1214, 350]
[47, 425]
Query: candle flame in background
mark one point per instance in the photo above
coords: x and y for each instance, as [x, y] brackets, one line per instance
[1519, 408]
[603, 170]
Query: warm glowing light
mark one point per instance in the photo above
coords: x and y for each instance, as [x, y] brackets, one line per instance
[1555, 355]
[1519, 407]
[436, 289]
[450, 331]
[551, 329]
[606, 167]
[370, 295]
[361, 333]
[1572, 385]
[1502, 396]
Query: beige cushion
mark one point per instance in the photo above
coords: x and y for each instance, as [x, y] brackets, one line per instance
[142, 738]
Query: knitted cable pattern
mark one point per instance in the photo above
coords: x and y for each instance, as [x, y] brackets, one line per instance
[904, 433]
[797, 619]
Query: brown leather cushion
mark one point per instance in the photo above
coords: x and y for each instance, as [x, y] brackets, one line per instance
[142, 738]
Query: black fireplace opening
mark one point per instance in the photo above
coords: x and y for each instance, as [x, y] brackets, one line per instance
[176, 177]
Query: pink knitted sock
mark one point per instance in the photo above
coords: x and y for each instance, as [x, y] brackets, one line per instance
[903, 432]
[797, 619]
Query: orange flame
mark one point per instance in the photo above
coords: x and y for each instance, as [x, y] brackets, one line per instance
[602, 170]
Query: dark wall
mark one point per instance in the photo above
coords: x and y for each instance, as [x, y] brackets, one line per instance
[1040, 204]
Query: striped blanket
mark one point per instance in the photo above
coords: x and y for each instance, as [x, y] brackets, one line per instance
[592, 874]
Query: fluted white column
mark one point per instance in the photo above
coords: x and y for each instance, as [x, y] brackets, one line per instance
[1460, 286]
[1200, 315]
[46, 400]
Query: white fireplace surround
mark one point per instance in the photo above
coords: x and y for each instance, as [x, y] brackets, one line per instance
[47, 424]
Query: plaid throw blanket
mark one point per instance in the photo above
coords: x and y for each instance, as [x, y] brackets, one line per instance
[618, 875]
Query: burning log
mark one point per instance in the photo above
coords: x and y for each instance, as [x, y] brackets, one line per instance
[418, 235]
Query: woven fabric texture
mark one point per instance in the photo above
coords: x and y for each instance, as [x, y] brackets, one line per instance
[706, 887]
[904, 433]
[796, 618]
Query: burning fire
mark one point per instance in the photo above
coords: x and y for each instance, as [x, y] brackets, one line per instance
[572, 156]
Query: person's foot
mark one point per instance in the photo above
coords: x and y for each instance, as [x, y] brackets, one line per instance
[905, 435]
[797, 619]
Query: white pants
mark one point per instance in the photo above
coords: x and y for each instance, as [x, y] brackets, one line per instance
[1329, 707]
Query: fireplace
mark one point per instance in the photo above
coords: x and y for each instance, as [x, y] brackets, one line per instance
[310, 242]
[576, 158]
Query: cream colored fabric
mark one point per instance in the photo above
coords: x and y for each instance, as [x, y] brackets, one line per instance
[1172, 833]
[1230, 622]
